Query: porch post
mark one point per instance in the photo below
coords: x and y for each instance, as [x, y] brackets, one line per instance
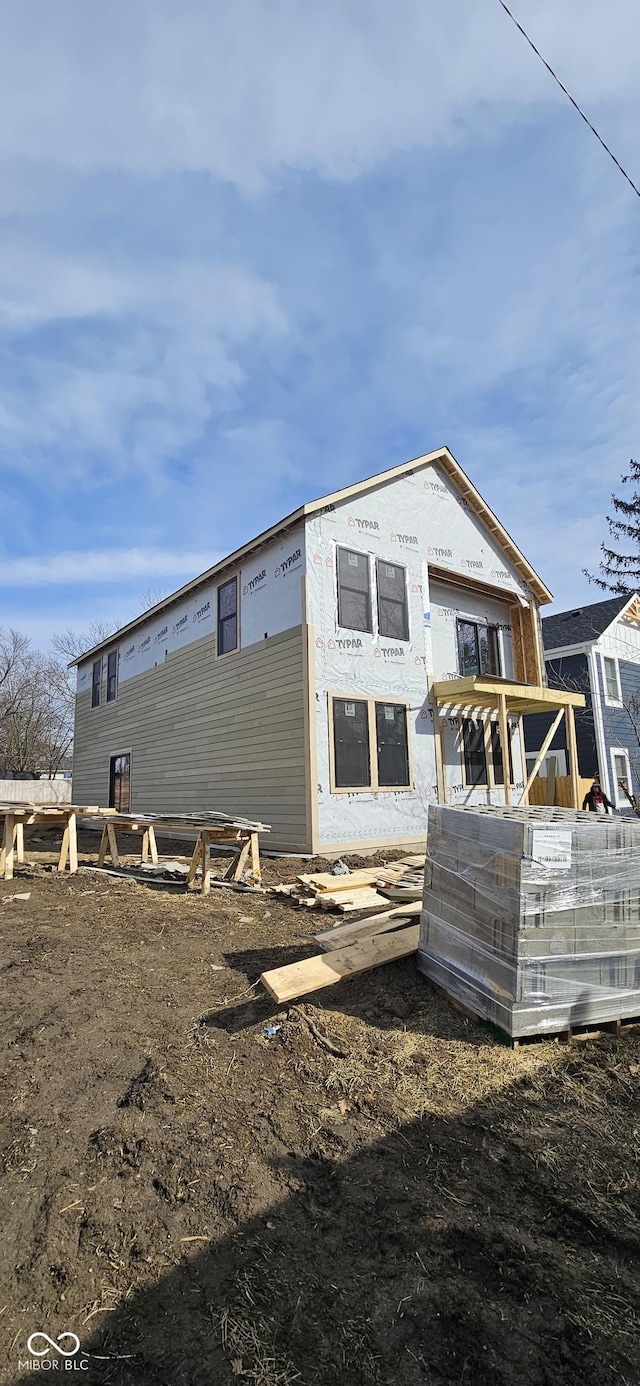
[504, 741]
[573, 755]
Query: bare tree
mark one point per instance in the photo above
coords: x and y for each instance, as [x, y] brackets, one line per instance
[71, 644]
[36, 708]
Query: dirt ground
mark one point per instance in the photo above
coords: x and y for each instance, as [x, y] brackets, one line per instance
[379, 1193]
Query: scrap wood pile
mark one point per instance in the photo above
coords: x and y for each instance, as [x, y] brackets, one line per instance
[352, 891]
[363, 943]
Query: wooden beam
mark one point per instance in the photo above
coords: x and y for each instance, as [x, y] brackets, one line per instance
[153, 848]
[301, 978]
[7, 847]
[541, 754]
[104, 843]
[255, 858]
[73, 843]
[113, 844]
[194, 863]
[19, 835]
[573, 758]
[504, 741]
[239, 862]
[359, 929]
[206, 863]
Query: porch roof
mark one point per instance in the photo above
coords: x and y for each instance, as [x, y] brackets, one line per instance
[480, 695]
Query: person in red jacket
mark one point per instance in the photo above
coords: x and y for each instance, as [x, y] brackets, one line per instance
[596, 800]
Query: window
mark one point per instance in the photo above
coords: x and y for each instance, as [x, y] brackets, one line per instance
[96, 676]
[354, 591]
[474, 749]
[496, 754]
[370, 745]
[120, 782]
[478, 649]
[228, 616]
[621, 776]
[393, 746]
[393, 615]
[475, 759]
[351, 744]
[112, 675]
[611, 680]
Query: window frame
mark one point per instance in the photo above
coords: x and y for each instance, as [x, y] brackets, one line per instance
[113, 654]
[619, 799]
[478, 626]
[490, 782]
[390, 563]
[96, 684]
[374, 787]
[113, 756]
[361, 553]
[608, 698]
[224, 654]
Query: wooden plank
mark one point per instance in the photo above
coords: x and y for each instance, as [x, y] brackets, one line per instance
[504, 742]
[7, 849]
[194, 863]
[355, 929]
[255, 858]
[301, 978]
[239, 862]
[574, 772]
[113, 844]
[104, 843]
[206, 864]
[153, 847]
[19, 837]
[144, 852]
[73, 843]
[64, 848]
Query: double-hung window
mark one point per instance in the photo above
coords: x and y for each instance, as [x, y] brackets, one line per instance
[112, 675]
[474, 751]
[611, 680]
[478, 648]
[228, 616]
[393, 615]
[354, 591]
[621, 776]
[370, 744]
[96, 679]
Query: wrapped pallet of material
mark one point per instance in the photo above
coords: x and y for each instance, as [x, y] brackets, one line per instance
[531, 917]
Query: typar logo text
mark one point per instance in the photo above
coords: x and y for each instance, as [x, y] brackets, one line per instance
[202, 614]
[254, 583]
[354, 522]
[288, 563]
[409, 540]
[439, 553]
[53, 1354]
[180, 625]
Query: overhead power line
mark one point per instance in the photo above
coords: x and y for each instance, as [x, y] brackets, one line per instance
[571, 99]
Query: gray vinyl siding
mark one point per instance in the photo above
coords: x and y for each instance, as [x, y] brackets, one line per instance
[207, 733]
[617, 726]
[571, 673]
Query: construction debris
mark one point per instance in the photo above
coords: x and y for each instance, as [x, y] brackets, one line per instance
[300, 978]
[365, 889]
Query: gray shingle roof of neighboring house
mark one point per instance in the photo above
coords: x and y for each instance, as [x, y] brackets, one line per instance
[582, 624]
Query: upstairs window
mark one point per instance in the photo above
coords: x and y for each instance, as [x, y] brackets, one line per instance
[478, 649]
[96, 677]
[393, 614]
[112, 675]
[354, 591]
[611, 680]
[228, 616]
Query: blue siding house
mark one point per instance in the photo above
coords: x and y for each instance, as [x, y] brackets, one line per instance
[595, 650]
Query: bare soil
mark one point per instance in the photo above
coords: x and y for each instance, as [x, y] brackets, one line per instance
[380, 1192]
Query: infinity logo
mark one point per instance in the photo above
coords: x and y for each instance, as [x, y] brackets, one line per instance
[64, 1352]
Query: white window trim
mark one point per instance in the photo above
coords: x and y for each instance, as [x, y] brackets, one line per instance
[611, 702]
[618, 798]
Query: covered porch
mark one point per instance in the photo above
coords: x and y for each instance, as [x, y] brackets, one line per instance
[483, 698]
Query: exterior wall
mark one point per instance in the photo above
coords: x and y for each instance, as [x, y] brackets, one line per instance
[206, 733]
[417, 521]
[618, 730]
[570, 672]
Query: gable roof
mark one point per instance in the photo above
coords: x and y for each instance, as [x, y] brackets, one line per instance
[442, 457]
[583, 624]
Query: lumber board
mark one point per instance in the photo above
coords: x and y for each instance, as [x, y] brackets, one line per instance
[364, 899]
[325, 970]
[325, 881]
[343, 934]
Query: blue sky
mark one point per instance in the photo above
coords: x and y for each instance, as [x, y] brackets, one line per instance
[253, 253]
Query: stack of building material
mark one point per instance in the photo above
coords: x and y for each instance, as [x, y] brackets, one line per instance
[531, 917]
[354, 891]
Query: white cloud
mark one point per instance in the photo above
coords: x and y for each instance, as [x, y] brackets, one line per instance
[102, 566]
[243, 90]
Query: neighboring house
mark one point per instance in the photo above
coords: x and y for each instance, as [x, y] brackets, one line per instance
[595, 650]
[359, 660]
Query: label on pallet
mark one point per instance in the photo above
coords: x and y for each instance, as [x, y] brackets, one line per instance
[551, 847]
